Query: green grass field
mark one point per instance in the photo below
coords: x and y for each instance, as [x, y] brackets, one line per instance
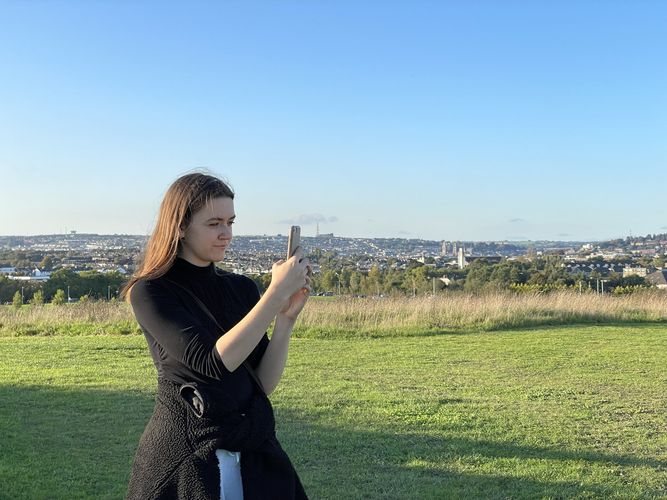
[562, 412]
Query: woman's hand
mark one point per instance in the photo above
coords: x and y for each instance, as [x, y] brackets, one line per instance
[295, 304]
[290, 282]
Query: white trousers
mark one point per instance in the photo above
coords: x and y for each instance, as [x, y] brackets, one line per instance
[231, 487]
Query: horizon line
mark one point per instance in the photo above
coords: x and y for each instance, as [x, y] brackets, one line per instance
[505, 240]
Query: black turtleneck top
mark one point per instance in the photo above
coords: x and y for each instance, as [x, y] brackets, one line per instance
[180, 335]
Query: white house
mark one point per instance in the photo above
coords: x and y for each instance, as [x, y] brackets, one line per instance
[635, 271]
[36, 275]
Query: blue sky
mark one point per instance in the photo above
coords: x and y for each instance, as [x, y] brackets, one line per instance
[481, 120]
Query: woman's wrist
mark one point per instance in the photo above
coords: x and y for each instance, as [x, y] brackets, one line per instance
[278, 293]
[272, 297]
[284, 322]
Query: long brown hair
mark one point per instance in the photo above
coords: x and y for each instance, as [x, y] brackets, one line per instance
[182, 200]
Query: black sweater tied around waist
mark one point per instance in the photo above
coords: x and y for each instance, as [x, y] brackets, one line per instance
[176, 455]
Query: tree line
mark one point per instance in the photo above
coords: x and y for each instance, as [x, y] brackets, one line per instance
[89, 284]
[537, 274]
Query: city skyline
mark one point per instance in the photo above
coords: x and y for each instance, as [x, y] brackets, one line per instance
[74, 235]
[498, 121]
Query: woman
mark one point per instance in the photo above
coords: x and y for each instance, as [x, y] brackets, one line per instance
[212, 433]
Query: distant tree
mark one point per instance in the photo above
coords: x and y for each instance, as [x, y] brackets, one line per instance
[94, 284]
[23, 264]
[499, 278]
[517, 273]
[47, 263]
[392, 281]
[61, 279]
[479, 274]
[375, 280]
[262, 281]
[328, 280]
[315, 255]
[617, 280]
[19, 259]
[625, 290]
[17, 302]
[355, 282]
[363, 284]
[549, 271]
[344, 275]
[37, 298]
[416, 281]
[58, 297]
[7, 289]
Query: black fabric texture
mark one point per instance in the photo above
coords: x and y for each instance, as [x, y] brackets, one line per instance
[182, 338]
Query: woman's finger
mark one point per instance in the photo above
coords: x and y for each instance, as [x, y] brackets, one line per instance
[298, 254]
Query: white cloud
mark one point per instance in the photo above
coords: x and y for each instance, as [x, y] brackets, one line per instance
[308, 219]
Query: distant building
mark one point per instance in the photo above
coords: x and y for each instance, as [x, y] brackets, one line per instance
[7, 270]
[36, 275]
[603, 269]
[635, 271]
[461, 259]
[658, 278]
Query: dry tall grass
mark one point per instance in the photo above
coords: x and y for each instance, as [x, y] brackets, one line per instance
[75, 319]
[449, 311]
[460, 311]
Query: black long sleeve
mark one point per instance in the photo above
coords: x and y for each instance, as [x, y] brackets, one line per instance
[182, 338]
[177, 332]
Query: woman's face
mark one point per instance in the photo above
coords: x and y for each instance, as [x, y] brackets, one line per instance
[209, 233]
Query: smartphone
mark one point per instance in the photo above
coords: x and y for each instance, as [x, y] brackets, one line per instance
[293, 240]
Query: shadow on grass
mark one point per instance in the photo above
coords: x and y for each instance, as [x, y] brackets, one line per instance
[68, 443]
[387, 465]
[80, 444]
[585, 325]
[333, 333]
